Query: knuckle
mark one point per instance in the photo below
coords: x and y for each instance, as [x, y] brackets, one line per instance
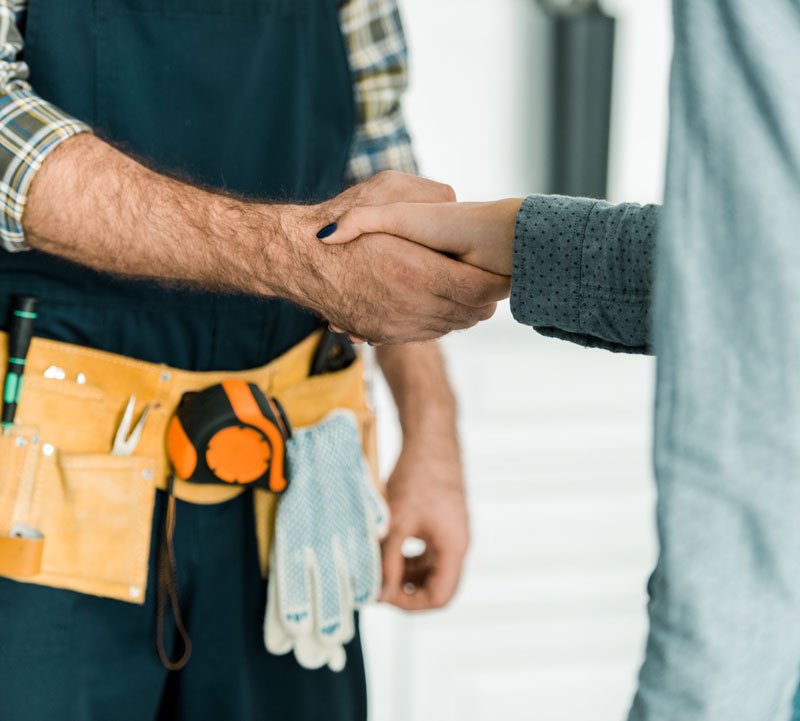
[457, 319]
[488, 311]
[448, 194]
[403, 602]
[402, 521]
[460, 322]
[442, 282]
[502, 289]
[481, 298]
[464, 291]
[375, 188]
[405, 309]
[388, 177]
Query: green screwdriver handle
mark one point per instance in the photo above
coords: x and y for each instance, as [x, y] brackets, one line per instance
[20, 332]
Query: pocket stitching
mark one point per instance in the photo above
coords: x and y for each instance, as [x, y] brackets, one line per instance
[132, 575]
[65, 388]
[14, 480]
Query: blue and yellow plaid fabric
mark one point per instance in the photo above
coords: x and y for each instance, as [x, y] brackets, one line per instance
[379, 63]
[30, 127]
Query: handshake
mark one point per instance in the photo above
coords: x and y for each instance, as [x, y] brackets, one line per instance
[397, 260]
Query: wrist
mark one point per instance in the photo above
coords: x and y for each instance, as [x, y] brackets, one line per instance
[505, 221]
[437, 444]
[269, 233]
[436, 449]
[431, 421]
[239, 240]
[295, 266]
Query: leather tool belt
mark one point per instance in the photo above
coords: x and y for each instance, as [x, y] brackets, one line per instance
[94, 510]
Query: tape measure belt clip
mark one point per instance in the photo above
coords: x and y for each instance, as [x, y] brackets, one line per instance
[230, 433]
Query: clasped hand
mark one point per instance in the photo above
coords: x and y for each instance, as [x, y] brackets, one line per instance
[410, 263]
[479, 234]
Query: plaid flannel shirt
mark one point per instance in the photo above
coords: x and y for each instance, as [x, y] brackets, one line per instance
[31, 127]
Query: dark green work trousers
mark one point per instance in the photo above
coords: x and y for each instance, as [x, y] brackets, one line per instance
[67, 656]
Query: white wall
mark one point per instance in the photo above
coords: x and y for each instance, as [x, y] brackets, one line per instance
[478, 107]
[550, 619]
[639, 113]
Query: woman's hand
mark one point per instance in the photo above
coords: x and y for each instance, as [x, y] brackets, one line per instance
[481, 234]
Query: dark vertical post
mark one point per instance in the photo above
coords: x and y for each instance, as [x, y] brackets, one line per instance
[584, 64]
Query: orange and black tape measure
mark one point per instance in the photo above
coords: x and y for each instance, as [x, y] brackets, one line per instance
[230, 433]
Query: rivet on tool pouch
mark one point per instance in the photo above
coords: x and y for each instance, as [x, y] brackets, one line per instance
[230, 433]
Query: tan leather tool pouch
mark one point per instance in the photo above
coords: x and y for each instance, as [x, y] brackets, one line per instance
[310, 400]
[93, 510]
[19, 460]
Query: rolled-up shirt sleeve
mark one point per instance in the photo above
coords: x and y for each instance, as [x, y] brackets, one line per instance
[378, 56]
[30, 128]
[583, 271]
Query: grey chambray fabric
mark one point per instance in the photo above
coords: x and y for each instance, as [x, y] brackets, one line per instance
[725, 597]
[583, 271]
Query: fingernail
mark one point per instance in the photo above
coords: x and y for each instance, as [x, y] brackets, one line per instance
[327, 231]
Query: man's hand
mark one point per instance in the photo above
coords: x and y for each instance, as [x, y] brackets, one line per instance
[426, 500]
[381, 288]
[426, 489]
[481, 234]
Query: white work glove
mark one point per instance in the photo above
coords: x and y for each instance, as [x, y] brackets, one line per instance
[325, 561]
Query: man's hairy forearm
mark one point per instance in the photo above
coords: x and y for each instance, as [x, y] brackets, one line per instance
[96, 206]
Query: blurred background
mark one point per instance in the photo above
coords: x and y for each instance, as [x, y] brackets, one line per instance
[550, 621]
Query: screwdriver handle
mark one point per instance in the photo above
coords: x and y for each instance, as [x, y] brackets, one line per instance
[20, 331]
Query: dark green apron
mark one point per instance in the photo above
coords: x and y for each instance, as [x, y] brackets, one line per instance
[254, 96]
